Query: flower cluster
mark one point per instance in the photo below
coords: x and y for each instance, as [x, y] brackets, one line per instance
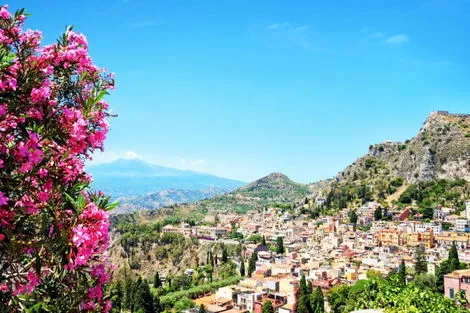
[53, 230]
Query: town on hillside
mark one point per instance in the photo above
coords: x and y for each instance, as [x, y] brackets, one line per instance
[282, 248]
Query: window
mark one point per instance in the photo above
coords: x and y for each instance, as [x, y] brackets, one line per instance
[466, 280]
[451, 293]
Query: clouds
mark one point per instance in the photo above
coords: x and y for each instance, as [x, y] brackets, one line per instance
[286, 26]
[397, 39]
[381, 37]
[296, 35]
[131, 155]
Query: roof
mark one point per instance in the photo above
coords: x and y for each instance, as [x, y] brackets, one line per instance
[458, 274]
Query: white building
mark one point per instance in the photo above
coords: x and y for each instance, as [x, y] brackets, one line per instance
[423, 227]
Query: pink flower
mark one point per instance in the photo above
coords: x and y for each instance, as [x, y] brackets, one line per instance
[3, 199]
[2, 237]
[40, 94]
[4, 14]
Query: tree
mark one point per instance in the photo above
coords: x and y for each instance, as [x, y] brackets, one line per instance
[421, 265]
[353, 217]
[303, 297]
[267, 307]
[202, 309]
[317, 301]
[143, 299]
[378, 213]
[280, 245]
[263, 241]
[454, 263]
[252, 264]
[402, 273]
[157, 282]
[242, 267]
[224, 254]
[53, 227]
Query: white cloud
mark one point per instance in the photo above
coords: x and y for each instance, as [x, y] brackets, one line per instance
[286, 26]
[131, 155]
[378, 35]
[198, 162]
[397, 39]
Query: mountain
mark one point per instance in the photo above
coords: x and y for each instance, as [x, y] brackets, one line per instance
[276, 189]
[168, 197]
[439, 151]
[133, 177]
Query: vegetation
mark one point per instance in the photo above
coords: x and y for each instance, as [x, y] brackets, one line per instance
[53, 227]
[429, 194]
[391, 295]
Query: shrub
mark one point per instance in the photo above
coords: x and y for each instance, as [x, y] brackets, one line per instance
[53, 228]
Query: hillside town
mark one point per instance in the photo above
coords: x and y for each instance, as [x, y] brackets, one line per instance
[329, 251]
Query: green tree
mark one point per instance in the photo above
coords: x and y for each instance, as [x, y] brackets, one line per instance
[267, 307]
[454, 262]
[143, 299]
[224, 254]
[378, 213]
[280, 245]
[263, 241]
[202, 309]
[252, 264]
[353, 217]
[157, 282]
[317, 301]
[421, 266]
[303, 297]
[402, 273]
[157, 307]
[242, 267]
[117, 296]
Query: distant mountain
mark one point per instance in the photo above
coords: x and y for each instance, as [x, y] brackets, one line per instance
[440, 150]
[168, 197]
[272, 190]
[133, 177]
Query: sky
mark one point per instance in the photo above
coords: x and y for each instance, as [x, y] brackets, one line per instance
[244, 88]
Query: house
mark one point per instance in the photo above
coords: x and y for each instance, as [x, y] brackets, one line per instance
[456, 281]
[390, 237]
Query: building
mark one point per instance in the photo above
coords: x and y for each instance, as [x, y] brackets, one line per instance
[425, 239]
[390, 237]
[456, 281]
[424, 227]
[461, 225]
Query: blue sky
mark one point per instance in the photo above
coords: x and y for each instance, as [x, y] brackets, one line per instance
[244, 88]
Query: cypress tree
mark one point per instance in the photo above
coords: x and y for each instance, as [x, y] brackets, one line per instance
[402, 272]
[263, 241]
[157, 281]
[421, 265]
[454, 263]
[128, 294]
[303, 298]
[252, 263]
[224, 254]
[242, 268]
[280, 245]
[317, 301]
[143, 299]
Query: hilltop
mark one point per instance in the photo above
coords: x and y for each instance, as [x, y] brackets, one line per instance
[439, 151]
[275, 189]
